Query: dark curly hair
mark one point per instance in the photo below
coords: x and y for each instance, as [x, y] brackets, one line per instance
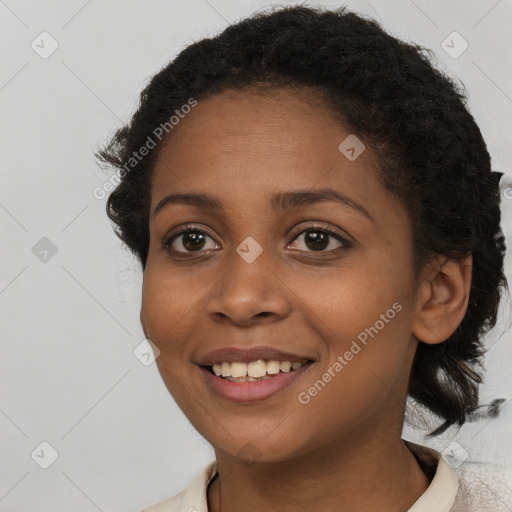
[430, 153]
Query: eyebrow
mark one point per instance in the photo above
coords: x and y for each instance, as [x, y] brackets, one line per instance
[280, 201]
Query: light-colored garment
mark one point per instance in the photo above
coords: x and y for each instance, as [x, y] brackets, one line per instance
[443, 494]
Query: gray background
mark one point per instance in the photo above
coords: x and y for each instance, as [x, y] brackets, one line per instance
[70, 320]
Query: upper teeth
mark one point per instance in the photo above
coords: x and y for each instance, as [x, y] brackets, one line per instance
[254, 369]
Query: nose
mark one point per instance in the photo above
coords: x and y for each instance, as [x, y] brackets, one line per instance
[249, 293]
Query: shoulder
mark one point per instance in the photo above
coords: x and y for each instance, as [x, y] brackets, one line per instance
[483, 488]
[469, 487]
[191, 499]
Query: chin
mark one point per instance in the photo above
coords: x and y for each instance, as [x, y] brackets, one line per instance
[251, 451]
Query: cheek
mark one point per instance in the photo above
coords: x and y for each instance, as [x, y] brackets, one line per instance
[346, 302]
[366, 360]
[363, 316]
[168, 301]
[168, 316]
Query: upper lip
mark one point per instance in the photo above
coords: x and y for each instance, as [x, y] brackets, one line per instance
[247, 354]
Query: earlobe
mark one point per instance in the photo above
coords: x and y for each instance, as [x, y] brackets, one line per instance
[442, 299]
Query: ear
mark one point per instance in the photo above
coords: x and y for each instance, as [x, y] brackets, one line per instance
[442, 298]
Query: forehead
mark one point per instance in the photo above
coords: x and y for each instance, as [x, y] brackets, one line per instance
[248, 139]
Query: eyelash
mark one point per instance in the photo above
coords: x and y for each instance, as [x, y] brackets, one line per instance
[192, 228]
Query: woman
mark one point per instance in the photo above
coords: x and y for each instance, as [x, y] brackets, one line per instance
[318, 224]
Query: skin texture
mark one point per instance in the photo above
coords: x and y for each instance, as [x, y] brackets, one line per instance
[342, 450]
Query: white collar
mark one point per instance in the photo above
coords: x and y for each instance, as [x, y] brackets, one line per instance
[440, 494]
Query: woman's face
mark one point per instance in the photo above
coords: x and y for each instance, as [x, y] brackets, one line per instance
[261, 270]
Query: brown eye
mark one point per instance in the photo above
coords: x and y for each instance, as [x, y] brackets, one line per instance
[316, 240]
[320, 240]
[192, 240]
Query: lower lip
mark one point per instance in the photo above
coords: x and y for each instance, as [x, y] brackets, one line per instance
[254, 390]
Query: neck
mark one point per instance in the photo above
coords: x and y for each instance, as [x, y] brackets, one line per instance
[373, 475]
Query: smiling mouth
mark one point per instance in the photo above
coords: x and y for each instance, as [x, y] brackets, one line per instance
[262, 369]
